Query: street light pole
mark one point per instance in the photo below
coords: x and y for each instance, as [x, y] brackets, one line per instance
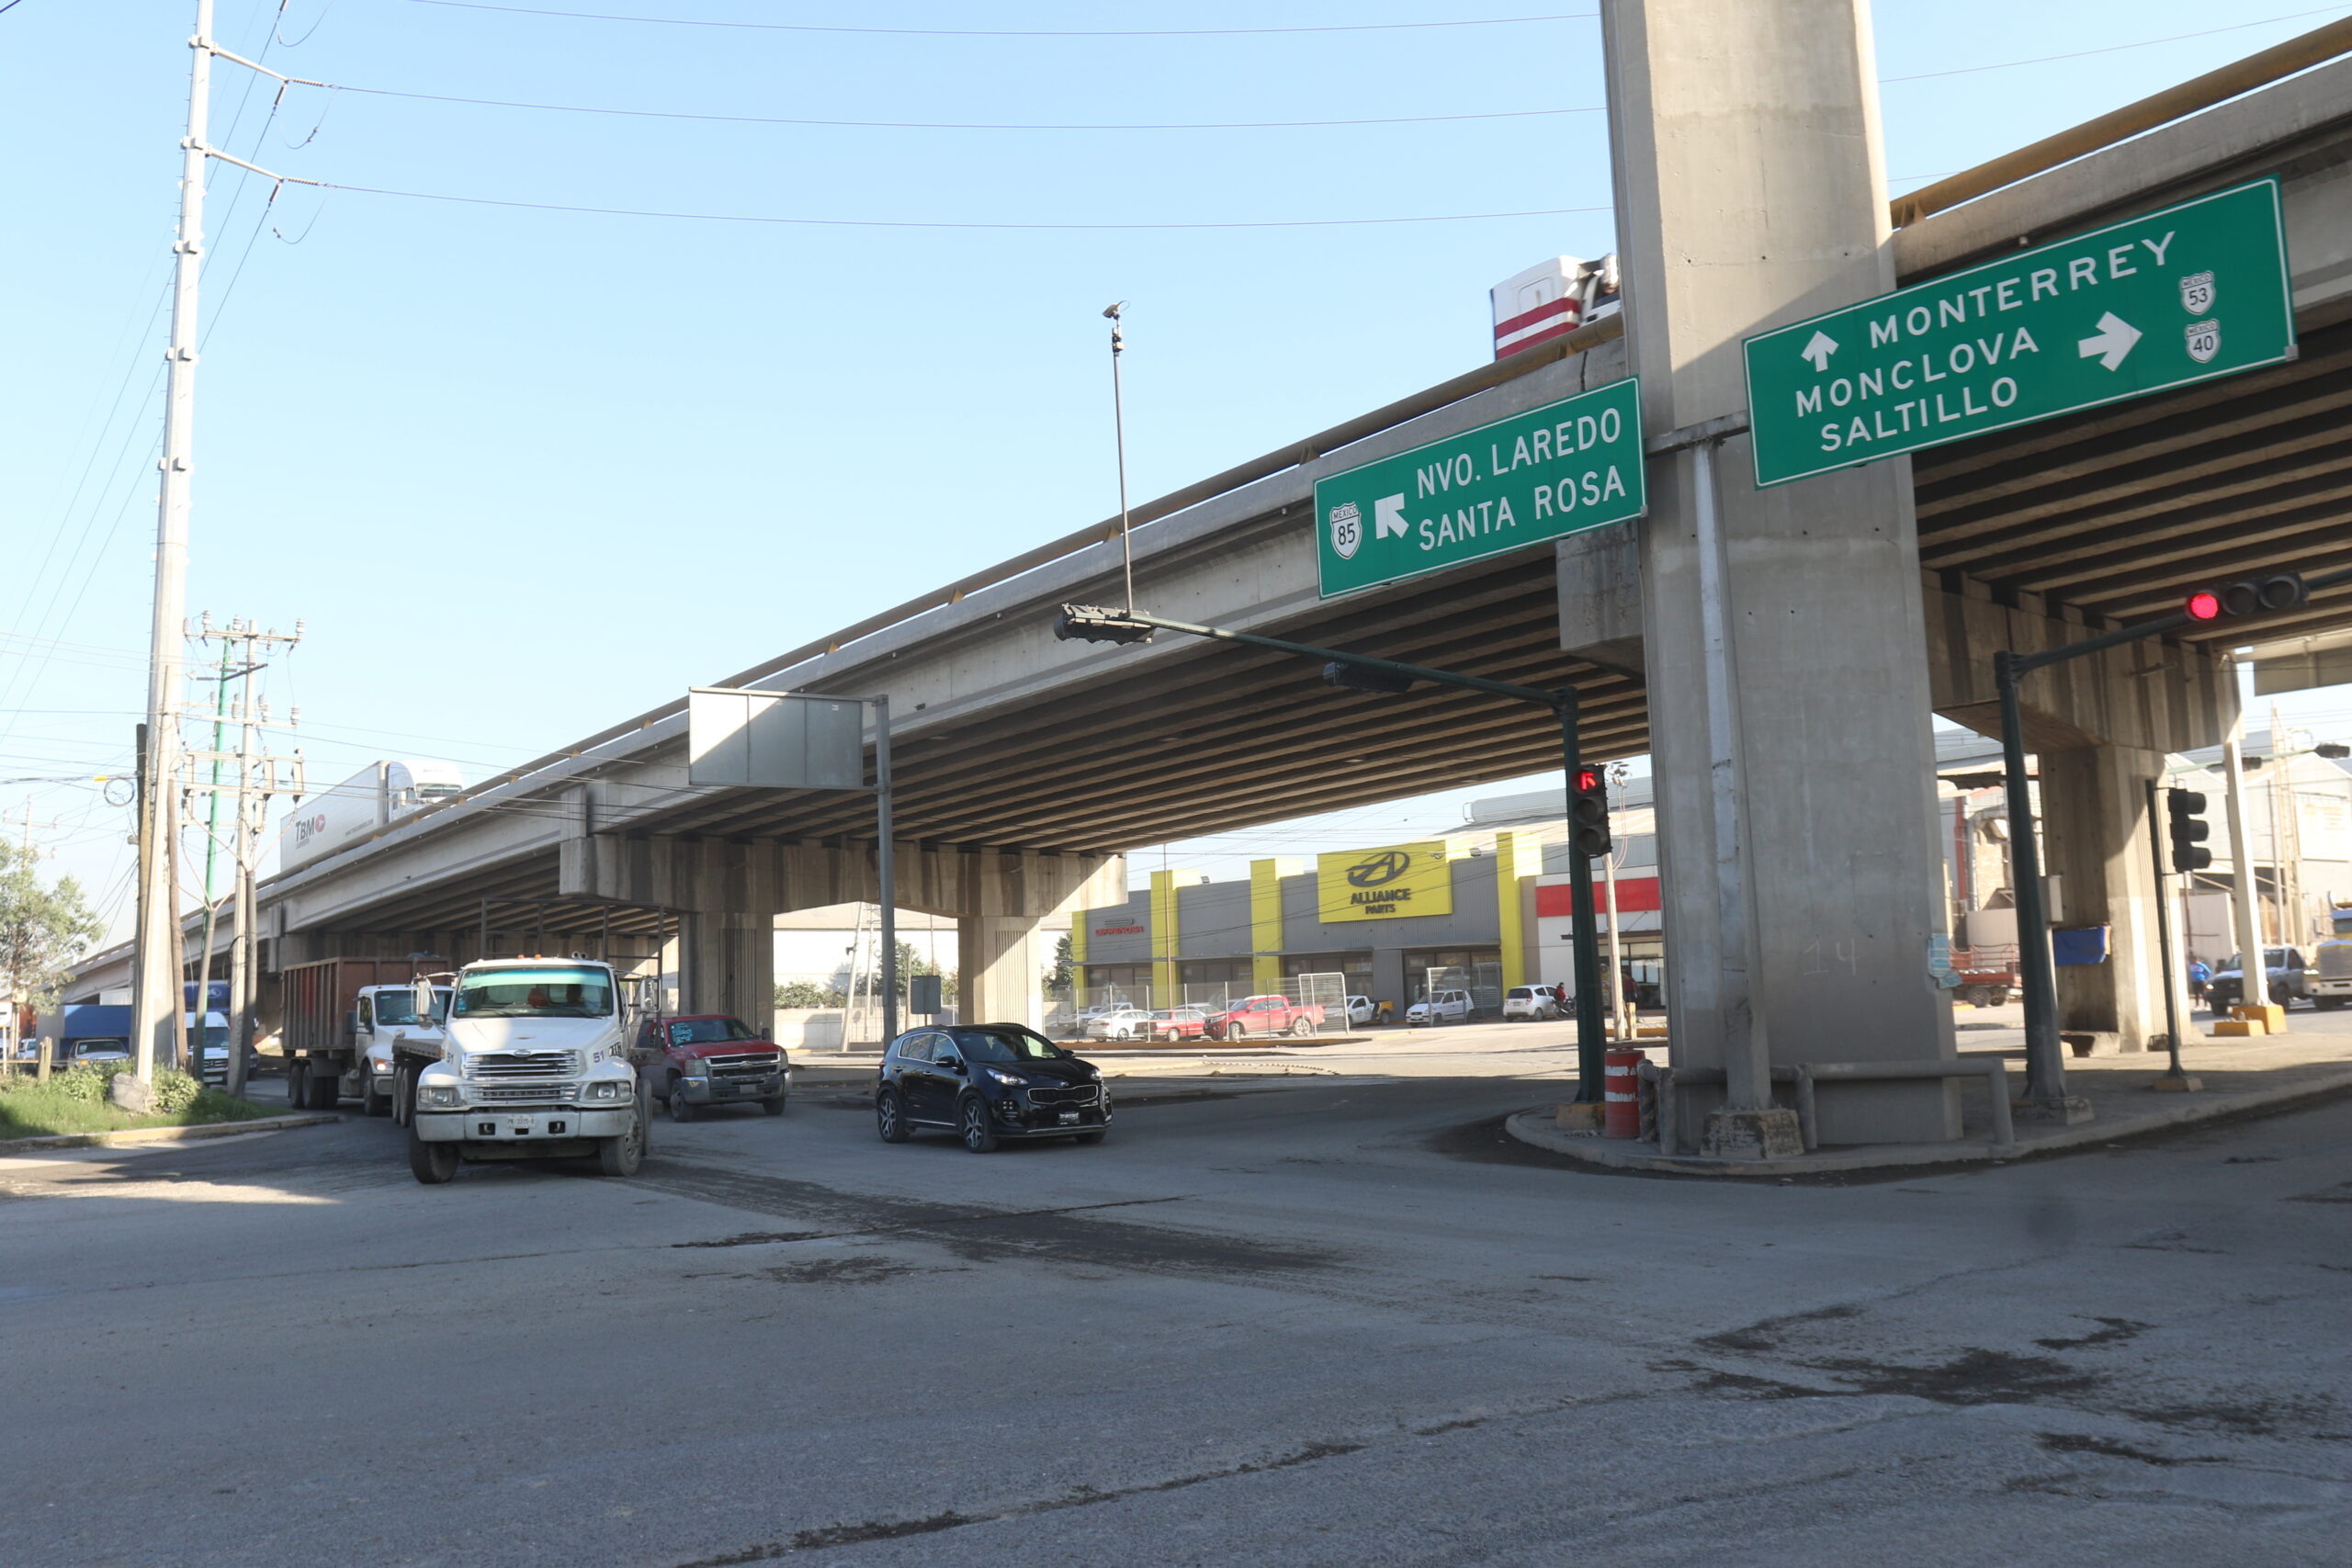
[1119, 429]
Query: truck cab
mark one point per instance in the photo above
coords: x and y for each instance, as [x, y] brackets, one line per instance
[386, 1028]
[534, 1064]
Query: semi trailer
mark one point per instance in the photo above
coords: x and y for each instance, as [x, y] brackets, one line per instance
[350, 1024]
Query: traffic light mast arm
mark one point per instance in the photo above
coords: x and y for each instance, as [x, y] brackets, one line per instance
[1079, 617]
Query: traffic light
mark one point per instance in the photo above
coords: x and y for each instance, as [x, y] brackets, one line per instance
[2186, 826]
[1092, 622]
[1589, 812]
[1357, 677]
[2248, 596]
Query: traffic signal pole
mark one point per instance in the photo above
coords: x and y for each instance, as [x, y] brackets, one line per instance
[1091, 623]
[2045, 1087]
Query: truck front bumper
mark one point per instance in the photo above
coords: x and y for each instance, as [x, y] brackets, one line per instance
[730, 1090]
[541, 1123]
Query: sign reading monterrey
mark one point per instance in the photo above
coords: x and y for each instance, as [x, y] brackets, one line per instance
[2154, 302]
[1569, 466]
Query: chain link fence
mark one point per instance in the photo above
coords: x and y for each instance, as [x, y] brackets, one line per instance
[1305, 1007]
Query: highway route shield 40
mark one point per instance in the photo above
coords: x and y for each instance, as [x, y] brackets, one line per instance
[2186, 294]
[1561, 468]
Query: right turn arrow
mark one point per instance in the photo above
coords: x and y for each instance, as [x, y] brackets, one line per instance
[2115, 339]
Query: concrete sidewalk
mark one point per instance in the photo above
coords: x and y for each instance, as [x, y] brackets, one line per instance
[2238, 1078]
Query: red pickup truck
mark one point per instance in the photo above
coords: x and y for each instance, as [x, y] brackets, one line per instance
[706, 1059]
[1265, 1015]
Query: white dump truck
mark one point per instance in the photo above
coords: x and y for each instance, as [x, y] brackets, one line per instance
[347, 1024]
[535, 1064]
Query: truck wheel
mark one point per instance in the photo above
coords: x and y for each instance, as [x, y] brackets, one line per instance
[774, 1105]
[432, 1164]
[373, 1103]
[889, 1117]
[1301, 1026]
[622, 1156]
[298, 1084]
[403, 1095]
[2280, 995]
[681, 1108]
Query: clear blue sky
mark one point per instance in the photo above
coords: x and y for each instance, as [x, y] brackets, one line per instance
[523, 473]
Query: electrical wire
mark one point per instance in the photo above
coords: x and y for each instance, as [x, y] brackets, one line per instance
[1017, 32]
[962, 125]
[2112, 48]
[941, 223]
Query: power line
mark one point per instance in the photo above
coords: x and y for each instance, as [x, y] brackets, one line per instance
[1016, 32]
[962, 125]
[2110, 49]
[938, 223]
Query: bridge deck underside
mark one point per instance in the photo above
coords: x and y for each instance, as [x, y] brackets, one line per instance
[2120, 510]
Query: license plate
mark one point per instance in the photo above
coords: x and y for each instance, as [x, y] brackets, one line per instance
[1068, 1117]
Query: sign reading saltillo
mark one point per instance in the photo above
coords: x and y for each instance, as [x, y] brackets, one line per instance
[2154, 302]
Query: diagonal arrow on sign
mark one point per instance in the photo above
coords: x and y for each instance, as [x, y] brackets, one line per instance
[2115, 339]
[1388, 516]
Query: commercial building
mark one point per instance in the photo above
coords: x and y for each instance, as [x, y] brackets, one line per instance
[1483, 910]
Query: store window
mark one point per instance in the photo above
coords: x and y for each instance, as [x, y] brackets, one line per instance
[1356, 966]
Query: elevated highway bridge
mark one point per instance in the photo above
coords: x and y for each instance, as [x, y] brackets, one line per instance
[1026, 767]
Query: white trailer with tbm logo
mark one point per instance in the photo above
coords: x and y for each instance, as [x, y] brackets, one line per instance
[534, 1064]
[361, 806]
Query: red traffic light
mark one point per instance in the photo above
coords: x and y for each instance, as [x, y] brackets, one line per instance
[2203, 605]
[1587, 780]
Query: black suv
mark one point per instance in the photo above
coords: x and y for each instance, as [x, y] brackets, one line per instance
[988, 1082]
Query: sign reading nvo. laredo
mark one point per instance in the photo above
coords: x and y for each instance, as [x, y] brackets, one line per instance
[1399, 879]
[2191, 292]
[1571, 465]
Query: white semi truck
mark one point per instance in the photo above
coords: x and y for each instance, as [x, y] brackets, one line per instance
[360, 806]
[534, 1064]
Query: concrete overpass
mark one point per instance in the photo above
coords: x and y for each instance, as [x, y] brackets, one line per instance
[1026, 766]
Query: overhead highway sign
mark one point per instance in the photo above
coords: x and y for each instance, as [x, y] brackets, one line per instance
[1561, 468]
[2154, 302]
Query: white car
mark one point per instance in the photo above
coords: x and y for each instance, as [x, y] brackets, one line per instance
[1530, 1002]
[1361, 1010]
[1446, 1007]
[1120, 1023]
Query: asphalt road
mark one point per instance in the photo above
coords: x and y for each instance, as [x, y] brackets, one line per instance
[1337, 1323]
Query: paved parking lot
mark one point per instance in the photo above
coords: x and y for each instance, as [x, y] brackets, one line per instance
[1329, 1323]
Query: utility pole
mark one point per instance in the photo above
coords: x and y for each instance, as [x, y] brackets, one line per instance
[1119, 428]
[242, 655]
[157, 998]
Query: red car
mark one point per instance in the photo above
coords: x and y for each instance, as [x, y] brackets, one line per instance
[1179, 1024]
[713, 1059]
[1265, 1015]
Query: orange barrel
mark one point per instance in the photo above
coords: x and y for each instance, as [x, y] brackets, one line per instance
[1621, 1089]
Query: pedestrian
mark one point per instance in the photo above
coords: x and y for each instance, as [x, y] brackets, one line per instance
[2200, 974]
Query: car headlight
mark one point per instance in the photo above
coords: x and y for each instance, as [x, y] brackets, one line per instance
[698, 1067]
[440, 1097]
[612, 1088]
[1010, 1080]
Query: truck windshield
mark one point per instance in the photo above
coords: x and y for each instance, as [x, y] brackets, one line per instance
[556, 991]
[400, 1006]
[707, 1031]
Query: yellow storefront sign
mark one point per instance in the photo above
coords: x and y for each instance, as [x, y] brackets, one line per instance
[1386, 883]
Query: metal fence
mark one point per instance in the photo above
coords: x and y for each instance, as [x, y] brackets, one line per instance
[1305, 1007]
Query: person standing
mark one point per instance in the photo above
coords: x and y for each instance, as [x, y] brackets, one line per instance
[2200, 974]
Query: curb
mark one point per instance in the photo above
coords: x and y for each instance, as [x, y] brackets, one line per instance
[1534, 1129]
[133, 1137]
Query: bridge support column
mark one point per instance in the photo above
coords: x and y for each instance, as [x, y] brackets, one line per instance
[1002, 964]
[1784, 643]
[2095, 830]
[726, 964]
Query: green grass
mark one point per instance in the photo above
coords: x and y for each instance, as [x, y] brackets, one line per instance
[28, 1109]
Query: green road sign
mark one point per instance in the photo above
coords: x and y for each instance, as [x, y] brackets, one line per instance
[2154, 302]
[1569, 466]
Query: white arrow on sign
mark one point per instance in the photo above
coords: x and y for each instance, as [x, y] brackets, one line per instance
[1818, 348]
[2115, 339]
[1388, 516]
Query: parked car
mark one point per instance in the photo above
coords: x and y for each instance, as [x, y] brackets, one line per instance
[1265, 1015]
[709, 1058]
[1445, 1007]
[101, 1049]
[1361, 1010]
[2289, 978]
[1121, 1023]
[985, 1083]
[1530, 1002]
[1180, 1024]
